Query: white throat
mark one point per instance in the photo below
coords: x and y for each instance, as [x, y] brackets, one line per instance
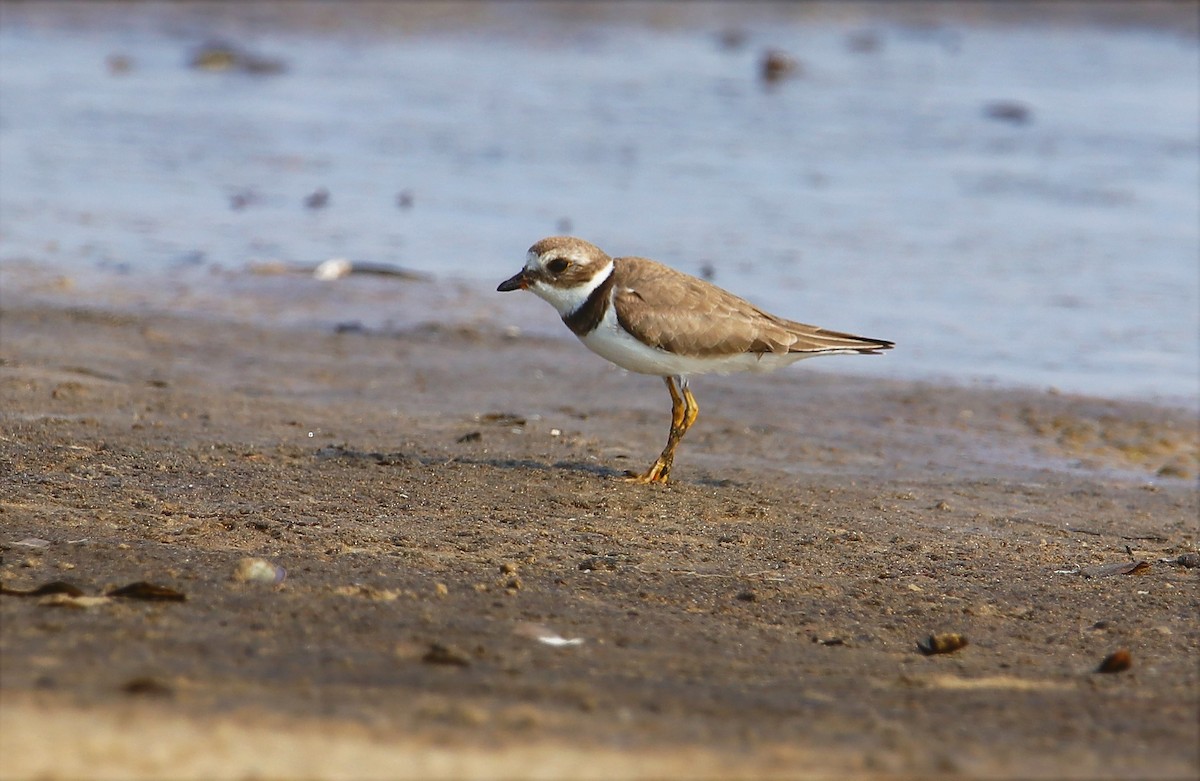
[567, 299]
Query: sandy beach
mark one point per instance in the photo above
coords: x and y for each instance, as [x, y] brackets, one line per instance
[442, 495]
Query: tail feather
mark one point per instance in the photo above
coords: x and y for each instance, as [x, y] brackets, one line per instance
[810, 339]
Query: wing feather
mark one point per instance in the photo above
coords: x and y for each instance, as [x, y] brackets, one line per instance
[685, 315]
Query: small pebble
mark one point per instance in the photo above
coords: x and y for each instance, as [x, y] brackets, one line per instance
[1116, 662]
[119, 64]
[732, 38]
[1010, 111]
[596, 563]
[863, 41]
[318, 199]
[147, 686]
[830, 640]
[67, 600]
[945, 643]
[258, 571]
[334, 268]
[776, 66]
[447, 655]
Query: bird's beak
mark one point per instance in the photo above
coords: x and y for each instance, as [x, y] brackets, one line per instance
[515, 282]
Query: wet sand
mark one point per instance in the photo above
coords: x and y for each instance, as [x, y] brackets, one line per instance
[436, 488]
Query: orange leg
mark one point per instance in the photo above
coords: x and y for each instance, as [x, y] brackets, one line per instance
[684, 411]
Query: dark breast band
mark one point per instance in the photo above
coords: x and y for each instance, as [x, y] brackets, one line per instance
[588, 315]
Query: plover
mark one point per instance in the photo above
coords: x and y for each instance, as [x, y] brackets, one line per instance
[649, 318]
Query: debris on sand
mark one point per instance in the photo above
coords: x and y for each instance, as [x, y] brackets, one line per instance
[1120, 568]
[61, 593]
[546, 635]
[32, 542]
[254, 570]
[1189, 560]
[502, 419]
[370, 592]
[1116, 662]
[446, 655]
[46, 589]
[598, 563]
[70, 600]
[147, 686]
[945, 643]
[829, 640]
[148, 591]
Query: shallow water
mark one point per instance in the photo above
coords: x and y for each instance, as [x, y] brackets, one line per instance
[871, 193]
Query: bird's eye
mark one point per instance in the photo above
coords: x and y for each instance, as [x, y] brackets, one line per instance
[557, 265]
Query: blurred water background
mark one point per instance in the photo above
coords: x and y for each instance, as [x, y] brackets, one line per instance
[1013, 196]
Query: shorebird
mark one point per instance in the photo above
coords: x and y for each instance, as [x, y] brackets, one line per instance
[651, 319]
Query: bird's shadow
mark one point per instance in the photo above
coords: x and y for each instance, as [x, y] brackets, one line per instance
[338, 452]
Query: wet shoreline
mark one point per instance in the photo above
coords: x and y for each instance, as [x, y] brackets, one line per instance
[281, 296]
[963, 190]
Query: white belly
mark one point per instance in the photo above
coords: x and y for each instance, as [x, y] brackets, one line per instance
[612, 342]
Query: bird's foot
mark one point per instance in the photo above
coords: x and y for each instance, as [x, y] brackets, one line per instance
[658, 473]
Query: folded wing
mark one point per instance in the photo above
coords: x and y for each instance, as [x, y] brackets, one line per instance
[688, 316]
